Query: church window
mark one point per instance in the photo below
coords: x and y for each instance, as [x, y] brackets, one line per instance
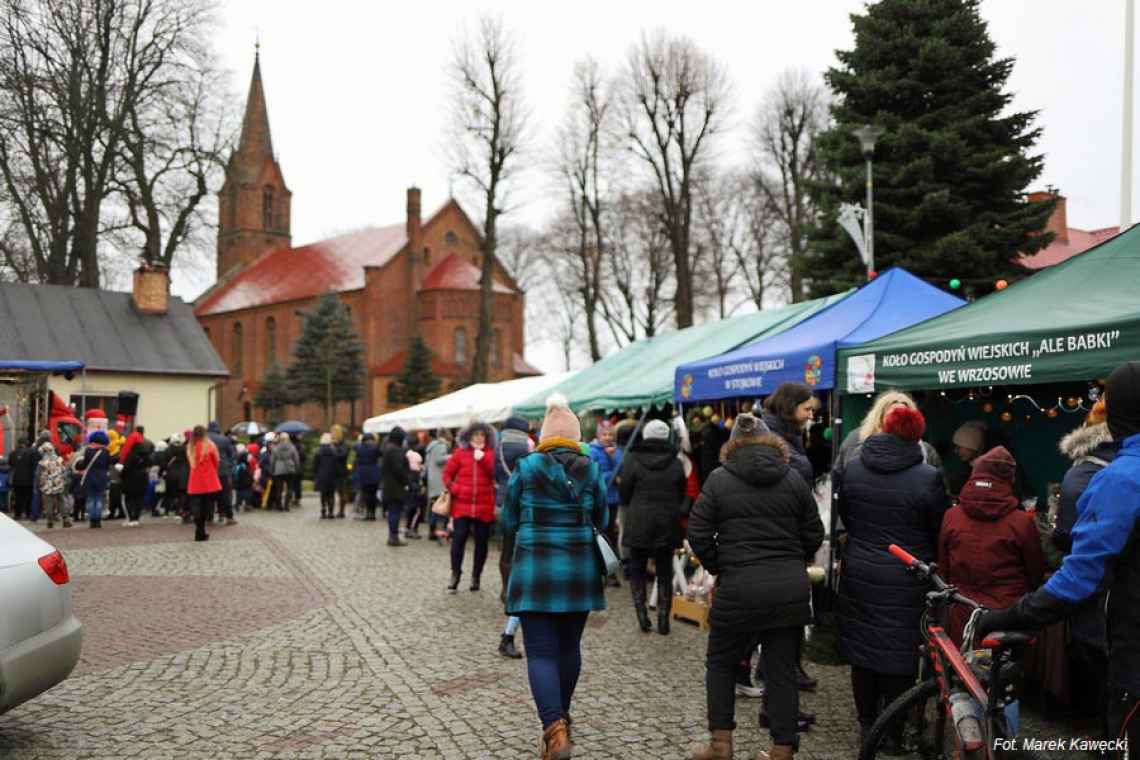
[496, 355]
[460, 345]
[451, 238]
[238, 350]
[393, 394]
[270, 341]
[267, 207]
[427, 256]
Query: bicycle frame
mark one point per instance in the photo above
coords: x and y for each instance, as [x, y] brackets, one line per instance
[954, 675]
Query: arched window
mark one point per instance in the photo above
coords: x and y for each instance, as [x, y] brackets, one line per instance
[496, 348]
[393, 394]
[238, 351]
[270, 341]
[267, 207]
[460, 345]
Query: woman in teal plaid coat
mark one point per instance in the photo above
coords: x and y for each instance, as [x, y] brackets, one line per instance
[554, 501]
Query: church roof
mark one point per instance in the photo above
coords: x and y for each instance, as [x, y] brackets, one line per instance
[457, 273]
[255, 136]
[290, 274]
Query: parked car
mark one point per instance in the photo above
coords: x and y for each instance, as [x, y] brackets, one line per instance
[40, 638]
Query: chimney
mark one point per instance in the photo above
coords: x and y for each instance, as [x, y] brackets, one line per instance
[415, 242]
[151, 292]
[1058, 222]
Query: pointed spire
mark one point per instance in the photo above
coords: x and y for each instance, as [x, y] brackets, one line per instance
[255, 136]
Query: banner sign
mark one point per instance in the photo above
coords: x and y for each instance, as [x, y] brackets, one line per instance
[1044, 358]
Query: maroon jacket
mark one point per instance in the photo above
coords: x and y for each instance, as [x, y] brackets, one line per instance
[989, 548]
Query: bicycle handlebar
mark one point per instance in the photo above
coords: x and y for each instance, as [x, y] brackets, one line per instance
[929, 573]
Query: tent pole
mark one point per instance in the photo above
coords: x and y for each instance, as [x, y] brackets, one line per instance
[836, 441]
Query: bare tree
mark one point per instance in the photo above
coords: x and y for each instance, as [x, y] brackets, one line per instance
[639, 269]
[520, 253]
[674, 101]
[586, 158]
[721, 235]
[71, 71]
[173, 159]
[792, 114]
[489, 118]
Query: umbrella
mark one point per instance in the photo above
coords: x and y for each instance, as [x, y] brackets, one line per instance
[250, 429]
[293, 427]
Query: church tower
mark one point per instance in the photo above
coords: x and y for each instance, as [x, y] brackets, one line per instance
[254, 205]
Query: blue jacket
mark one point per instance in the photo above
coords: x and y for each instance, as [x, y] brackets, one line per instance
[610, 466]
[554, 501]
[1106, 550]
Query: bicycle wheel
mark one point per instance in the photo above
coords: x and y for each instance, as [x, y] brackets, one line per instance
[925, 731]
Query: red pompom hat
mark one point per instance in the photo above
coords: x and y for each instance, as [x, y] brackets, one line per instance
[906, 423]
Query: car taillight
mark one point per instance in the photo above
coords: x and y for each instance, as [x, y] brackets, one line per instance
[55, 567]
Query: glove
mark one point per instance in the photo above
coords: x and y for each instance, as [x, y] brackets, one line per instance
[478, 455]
[989, 621]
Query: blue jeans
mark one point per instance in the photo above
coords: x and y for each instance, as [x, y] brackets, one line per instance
[553, 660]
[395, 509]
[95, 505]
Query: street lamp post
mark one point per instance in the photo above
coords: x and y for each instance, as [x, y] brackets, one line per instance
[867, 135]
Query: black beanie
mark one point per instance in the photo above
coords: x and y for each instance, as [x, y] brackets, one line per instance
[1122, 397]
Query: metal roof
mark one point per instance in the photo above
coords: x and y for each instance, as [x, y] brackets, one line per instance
[103, 330]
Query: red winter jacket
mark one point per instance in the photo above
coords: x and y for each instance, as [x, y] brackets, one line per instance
[204, 471]
[989, 548]
[472, 484]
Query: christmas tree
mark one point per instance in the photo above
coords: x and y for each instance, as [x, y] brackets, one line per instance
[328, 358]
[952, 165]
[273, 393]
[418, 382]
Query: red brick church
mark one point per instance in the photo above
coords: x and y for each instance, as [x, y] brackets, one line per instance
[417, 276]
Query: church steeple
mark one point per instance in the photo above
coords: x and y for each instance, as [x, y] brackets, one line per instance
[255, 135]
[254, 205]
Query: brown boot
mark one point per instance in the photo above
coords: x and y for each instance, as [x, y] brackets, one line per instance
[719, 748]
[555, 742]
[777, 752]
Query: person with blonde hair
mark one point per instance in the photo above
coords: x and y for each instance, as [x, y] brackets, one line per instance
[873, 423]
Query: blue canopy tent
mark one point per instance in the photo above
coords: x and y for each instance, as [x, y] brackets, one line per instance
[806, 353]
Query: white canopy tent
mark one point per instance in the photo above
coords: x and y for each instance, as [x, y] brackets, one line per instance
[486, 402]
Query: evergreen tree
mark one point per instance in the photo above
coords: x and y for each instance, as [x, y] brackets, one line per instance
[418, 382]
[328, 358]
[951, 168]
[273, 393]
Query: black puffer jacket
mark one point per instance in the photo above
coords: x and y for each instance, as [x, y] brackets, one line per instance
[887, 495]
[136, 470]
[754, 526]
[653, 485]
[395, 473]
[795, 440]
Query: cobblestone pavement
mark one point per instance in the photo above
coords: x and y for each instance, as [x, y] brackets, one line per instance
[289, 636]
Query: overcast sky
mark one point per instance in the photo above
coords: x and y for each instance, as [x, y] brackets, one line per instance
[357, 90]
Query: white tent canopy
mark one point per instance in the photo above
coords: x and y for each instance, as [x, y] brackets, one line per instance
[486, 402]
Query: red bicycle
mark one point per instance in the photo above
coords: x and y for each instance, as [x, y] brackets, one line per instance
[956, 711]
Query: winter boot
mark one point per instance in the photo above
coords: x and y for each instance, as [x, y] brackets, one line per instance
[474, 582]
[507, 648]
[555, 742]
[395, 541]
[453, 584]
[637, 588]
[718, 748]
[804, 682]
[664, 605]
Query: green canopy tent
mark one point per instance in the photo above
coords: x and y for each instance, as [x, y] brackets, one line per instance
[1077, 320]
[1057, 330]
[641, 374]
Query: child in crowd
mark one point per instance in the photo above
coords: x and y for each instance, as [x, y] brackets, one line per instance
[414, 497]
[52, 480]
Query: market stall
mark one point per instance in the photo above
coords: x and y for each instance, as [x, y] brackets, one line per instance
[487, 402]
[640, 375]
[806, 352]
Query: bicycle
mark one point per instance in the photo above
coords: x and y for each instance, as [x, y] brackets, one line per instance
[969, 692]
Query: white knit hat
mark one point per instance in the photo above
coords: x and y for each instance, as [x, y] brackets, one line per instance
[656, 430]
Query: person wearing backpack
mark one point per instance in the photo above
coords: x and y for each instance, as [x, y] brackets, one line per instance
[554, 505]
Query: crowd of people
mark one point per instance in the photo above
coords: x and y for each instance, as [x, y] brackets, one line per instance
[739, 497]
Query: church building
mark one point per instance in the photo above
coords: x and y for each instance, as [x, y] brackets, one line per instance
[419, 276]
